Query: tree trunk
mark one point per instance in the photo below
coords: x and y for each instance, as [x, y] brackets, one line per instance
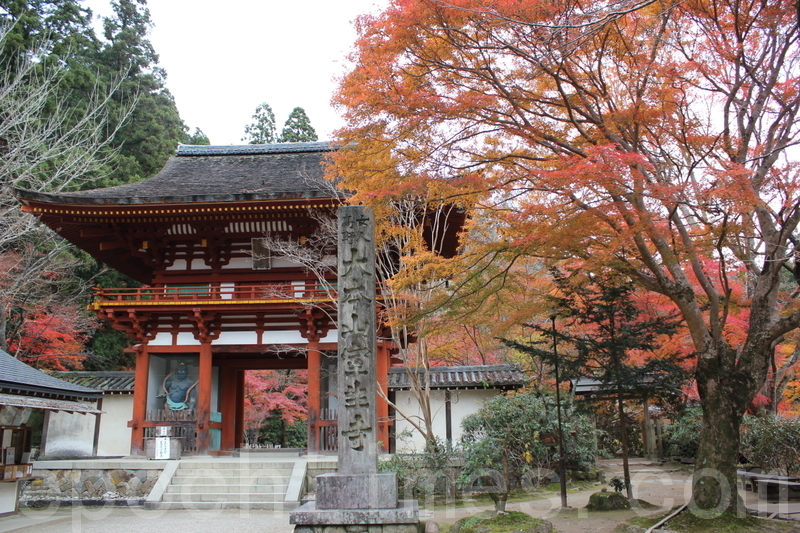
[714, 481]
[500, 500]
[724, 396]
[623, 428]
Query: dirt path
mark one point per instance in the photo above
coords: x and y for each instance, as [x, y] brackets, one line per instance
[661, 486]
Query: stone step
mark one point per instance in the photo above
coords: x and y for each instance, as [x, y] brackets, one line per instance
[231, 474]
[253, 481]
[279, 465]
[200, 505]
[223, 497]
[201, 488]
[229, 485]
[210, 480]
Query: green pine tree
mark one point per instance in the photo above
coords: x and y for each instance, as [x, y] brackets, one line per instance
[262, 130]
[297, 128]
[153, 131]
[198, 137]
[603, 326]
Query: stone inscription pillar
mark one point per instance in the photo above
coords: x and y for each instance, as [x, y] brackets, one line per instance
[357, 483]
[357, 494]
[358, 421]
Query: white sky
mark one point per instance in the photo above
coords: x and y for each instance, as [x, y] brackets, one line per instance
[223, 58]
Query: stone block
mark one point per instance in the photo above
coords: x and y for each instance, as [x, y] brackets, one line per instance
[385, 528]
[357, 491]
[406, 512]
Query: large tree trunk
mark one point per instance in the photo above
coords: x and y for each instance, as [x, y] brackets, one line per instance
[714, 480]
[726, 387]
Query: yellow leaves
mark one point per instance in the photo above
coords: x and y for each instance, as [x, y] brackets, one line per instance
[527, 456]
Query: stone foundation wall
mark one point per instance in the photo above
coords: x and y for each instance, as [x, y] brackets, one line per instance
[92, 482]
[314, 469]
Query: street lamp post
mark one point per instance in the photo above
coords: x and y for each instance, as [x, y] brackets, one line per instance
[562, 474]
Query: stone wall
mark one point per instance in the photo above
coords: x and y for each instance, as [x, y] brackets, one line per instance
[130, 480]
[315, 468]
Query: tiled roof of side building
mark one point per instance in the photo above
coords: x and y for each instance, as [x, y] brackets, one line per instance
[509, 376]
[17, 377]
[218, 174]
[118, 381]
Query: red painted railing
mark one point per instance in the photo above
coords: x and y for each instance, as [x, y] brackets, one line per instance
[272, 292]
[215, 293]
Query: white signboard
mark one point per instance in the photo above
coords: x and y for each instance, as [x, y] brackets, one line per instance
[162, 448]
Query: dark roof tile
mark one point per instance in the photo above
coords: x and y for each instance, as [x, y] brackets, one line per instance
[110, 381]
[218, 174]
[17, 376]
[463, 377]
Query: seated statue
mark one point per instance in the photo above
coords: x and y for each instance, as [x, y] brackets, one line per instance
[177, 390]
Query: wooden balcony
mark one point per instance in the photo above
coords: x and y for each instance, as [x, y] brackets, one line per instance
[194, 295]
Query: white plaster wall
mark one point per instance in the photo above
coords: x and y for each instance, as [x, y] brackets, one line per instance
[179, 264]
[242, 337]
[462, 403]
[239, 262]
[199, 264]
[247, 262]
[69, 435]
[115, 435]
[236, 337]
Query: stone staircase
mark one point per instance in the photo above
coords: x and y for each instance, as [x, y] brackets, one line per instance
[231, 483]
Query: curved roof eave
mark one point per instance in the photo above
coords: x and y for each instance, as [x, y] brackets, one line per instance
[25, 195]
[216, 174]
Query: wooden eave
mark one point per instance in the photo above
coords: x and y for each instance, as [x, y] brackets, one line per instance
[113, 233]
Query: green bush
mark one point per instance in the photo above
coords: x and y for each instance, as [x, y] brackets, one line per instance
[431, 474]
[772, 442]
[683, 436]
[516, 436]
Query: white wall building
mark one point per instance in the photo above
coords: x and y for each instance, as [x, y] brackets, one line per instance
[73, 435]
[455, 392]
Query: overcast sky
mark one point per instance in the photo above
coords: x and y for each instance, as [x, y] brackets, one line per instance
[223, 58]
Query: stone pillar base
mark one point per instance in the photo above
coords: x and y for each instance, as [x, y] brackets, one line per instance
[307, 515]
[384, 528]
[357, 491]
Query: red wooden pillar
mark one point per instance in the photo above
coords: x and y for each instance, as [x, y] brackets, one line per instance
[139, 400]
[382, 374]
[228, 398]
[314, 394]
[238, 429]
[204, 399]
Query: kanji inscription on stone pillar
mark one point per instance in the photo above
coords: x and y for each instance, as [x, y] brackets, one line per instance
[356, 286]
[357, 494]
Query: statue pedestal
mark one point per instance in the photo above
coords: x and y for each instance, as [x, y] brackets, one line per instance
[402, 519]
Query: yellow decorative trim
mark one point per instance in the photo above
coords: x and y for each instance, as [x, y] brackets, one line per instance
[177, 210]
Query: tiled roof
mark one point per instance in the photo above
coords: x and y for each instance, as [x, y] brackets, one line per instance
[218, 174]
[16, 377]
[463, 377]
[597, 389]
[110, 381]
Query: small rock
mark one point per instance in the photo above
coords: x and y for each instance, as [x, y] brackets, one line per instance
[431, 527]
[607, 501]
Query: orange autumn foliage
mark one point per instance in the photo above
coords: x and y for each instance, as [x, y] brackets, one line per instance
[652, 138]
